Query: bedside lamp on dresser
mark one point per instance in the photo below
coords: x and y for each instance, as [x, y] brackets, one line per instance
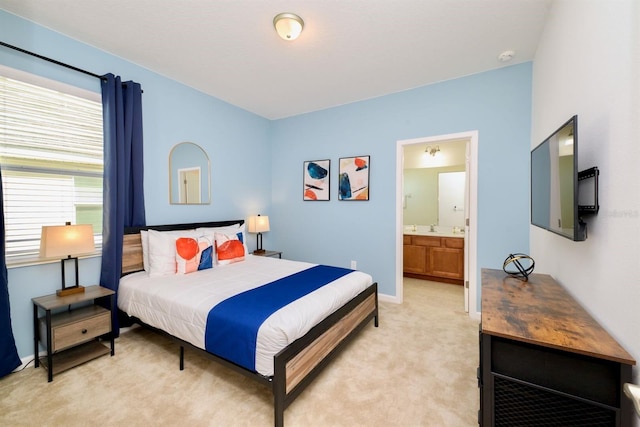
[258, 224]
[67, 242]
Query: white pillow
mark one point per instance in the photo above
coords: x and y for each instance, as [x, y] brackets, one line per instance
[224, 229]
[144, 238]
[162, 250]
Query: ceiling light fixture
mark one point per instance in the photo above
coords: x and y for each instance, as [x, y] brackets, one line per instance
[288, 25]
[506, 56]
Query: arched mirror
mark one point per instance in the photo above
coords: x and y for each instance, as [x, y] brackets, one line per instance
[189, 175]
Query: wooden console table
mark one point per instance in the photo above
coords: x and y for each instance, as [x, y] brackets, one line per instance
[544, 360]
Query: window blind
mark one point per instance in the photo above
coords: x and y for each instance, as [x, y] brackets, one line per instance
[51, 154]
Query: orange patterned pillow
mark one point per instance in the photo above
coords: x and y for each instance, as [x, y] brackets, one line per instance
[229, 248]
[193, 254]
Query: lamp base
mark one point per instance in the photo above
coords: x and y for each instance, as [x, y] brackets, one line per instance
[259, 251]
[70, 291]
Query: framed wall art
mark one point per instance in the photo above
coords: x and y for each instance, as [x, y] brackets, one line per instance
[353, 178]
[315, 181]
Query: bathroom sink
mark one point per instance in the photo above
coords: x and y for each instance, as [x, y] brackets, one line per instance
[438, 233]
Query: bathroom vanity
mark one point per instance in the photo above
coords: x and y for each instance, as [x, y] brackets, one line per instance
[434, 256]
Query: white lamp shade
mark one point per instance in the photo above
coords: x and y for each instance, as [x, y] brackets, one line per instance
[258, 224]
[288, 25]
[66, 240]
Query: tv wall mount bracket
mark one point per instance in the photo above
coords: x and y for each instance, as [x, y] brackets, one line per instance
[588, 191]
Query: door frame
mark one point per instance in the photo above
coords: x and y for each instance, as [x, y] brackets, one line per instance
[471, 214]
[182, 173]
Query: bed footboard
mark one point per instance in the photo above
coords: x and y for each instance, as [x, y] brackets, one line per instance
[298, 364]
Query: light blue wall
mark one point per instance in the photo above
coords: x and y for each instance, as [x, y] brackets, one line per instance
[236, 142]
[257, 164]
[496, 103]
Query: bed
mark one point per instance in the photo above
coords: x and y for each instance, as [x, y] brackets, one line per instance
[292, 344]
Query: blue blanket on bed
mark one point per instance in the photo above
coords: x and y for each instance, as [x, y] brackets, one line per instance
[232, 325]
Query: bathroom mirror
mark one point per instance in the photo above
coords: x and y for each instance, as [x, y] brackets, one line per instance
[189, 175]
[424, 202]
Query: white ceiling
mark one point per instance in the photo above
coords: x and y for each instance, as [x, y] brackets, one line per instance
[349, 50]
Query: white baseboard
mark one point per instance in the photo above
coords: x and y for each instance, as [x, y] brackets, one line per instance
[28, 360]
[389, 298]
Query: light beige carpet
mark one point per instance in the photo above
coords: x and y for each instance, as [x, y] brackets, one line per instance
[417, 369]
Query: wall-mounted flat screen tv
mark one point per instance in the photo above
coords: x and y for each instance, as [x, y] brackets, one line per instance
[554, 183]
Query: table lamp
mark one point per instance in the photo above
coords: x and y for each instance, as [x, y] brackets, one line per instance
[258, 224]
[67, 241]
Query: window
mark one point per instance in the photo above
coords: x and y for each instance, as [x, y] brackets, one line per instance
[51, 154]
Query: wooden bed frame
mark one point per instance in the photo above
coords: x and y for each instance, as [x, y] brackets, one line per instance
[300, 362]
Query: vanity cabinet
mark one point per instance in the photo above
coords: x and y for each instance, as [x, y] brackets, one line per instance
[447, 260]
[434, 258]
[415, 257]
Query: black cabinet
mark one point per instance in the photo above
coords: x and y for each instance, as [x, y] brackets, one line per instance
[544, 361]
[524, 384]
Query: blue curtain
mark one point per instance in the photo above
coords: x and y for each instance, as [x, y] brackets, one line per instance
[9, 359]
[123, 192]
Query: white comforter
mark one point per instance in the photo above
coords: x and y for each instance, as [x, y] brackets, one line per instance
[179, 304]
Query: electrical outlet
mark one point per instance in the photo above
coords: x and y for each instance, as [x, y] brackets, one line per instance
[353, 265]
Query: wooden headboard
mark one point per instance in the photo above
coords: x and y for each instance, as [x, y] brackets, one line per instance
[132, 245]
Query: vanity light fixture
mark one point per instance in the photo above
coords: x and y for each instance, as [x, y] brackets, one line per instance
[432, 150]
[569, 140]
[288, 25]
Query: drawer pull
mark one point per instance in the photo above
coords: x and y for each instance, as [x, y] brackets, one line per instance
[84, 331]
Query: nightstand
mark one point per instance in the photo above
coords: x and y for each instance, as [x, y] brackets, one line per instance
[71, 336]
[272, 254]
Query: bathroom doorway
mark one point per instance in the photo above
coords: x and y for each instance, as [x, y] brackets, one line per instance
[432, 152]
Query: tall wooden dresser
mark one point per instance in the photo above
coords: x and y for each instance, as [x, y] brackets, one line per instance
[544, 360]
